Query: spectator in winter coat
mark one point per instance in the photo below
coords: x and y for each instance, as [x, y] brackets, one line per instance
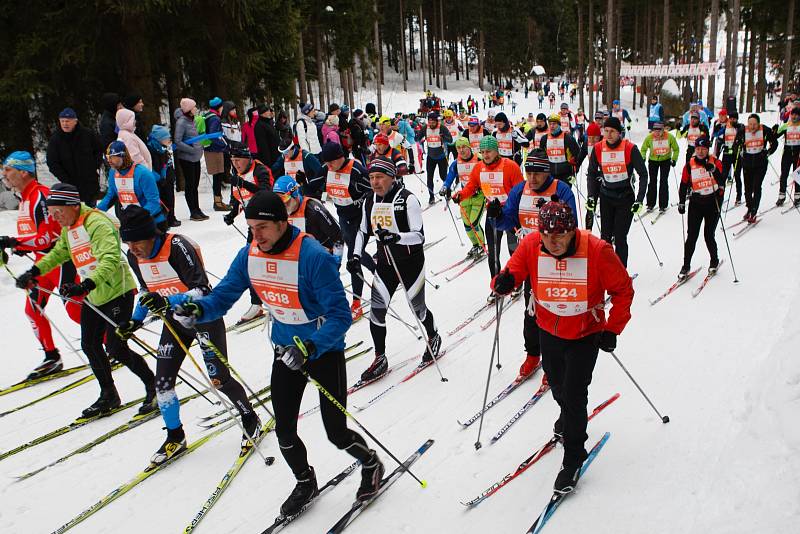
[306, 130]
[126, 122]
[267, 139]
[108, 120]
[330, 130]
[357, 127]
[248, 130]
[189, 156]
[214, 152]
[284, 130]
[135, 103]
[74, 155]
[159, 143]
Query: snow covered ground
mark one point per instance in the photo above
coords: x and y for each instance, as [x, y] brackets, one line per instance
[723, 366]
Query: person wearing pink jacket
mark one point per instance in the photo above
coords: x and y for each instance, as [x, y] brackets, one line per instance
[126, 122]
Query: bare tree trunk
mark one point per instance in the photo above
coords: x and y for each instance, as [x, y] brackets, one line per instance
[379, 58]
[412, 57]
[591, 59]
[610, 50]
[617, 48]
[403, 47]
[734, 46]
[712, 53]
[441, 46]
[301, 63]
[422, 51]
[728, 32]
[320, 67]
[665, 35]
[761, 86]
[581, 63]
[746, 98]
[466, 57]
[481, 58]
[788, 72]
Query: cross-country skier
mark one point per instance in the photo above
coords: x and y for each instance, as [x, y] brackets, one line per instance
[310, 216]
[510, 140]
[562, 150]
[758, 144]
[790, 159]
[437, 138]
[471, 208]
[664, 153]
[729, 133]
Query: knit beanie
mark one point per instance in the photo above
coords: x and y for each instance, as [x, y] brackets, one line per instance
[266, 206]
[136, 224]
[383, 165]
[488, 142]
[187, 105]
[62, 194]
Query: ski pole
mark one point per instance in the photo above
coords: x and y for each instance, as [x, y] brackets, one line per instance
[447, 209]
[267, 460]
[495, 346]
[683, 223]
[664, 418]
[149, 350]
[472, 227]
[660, 263]
[339, 405]
[40, 309]
[238, 377]
[412, 328]
[240, 232]
[390, 257]
[727, 245]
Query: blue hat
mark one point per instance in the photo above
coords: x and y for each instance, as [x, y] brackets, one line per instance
[21, 160]
[67, 113]
[615, 102]
[305, 109]
[215, 102]
[345, 108]
[159, 132]
[116, 148]
[286, 184]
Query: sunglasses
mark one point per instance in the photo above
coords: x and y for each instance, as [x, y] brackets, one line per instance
[288, 194]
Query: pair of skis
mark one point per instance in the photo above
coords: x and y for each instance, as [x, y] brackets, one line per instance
[681, 282]
[38, 380]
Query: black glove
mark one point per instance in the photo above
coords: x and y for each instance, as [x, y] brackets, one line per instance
[354, 265]
[230, 216]
[591, 204]
[589, 220]
[71, 289]
[155, 302]
[386, 237]
[126, 329]
[607, 341]
[187, 314]
[236, 180]
[672, 162]
[444, 192]
[494, 209]
[300, 178]
[28, 279]
[504, 282]
[710, 167]
[7, 241]
[293, 357]
[681, 208]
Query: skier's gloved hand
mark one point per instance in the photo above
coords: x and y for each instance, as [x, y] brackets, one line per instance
[589, 220]
[354, 265]
[187, 314]
[338, 252]
[126, 329]
[607, 341]
[294, 356]
[636, 208]
[3, 257]
[28, 279]
[7, 241]
[681, 208]
[155, 302]
[672, 162]
[710, 167]
[236, 180]
[456, 197]
[444, 192]
[300, 177]
[591, 204]
[494, 209]
[503, 283]
[230, 217]
[71, 289]
[387, 237]
[571, 180]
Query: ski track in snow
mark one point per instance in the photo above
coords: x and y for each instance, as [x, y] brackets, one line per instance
[723, 366]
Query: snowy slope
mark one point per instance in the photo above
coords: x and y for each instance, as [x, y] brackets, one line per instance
[723, 367]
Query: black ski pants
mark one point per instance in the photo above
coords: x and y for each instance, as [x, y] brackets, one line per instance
[94, 329]
[617, 217]
[727, 168]
[494, 239]
[287, 393]
[568, 364]
[789, 161]
[753, 178]
[530, 330]
[658, 171]
[431, 165]
[701, 211]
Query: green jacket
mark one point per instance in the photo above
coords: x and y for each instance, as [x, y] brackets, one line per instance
[112, 276]
[648, 145]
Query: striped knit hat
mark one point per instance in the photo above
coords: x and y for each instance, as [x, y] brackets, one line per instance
[62, 194]
[537, 161]
[383, 165]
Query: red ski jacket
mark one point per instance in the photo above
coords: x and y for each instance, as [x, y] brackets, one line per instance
[604, 274]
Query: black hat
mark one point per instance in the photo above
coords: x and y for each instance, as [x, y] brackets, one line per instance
[541, 117]
[131, 100]
[702, 141]
[331, 151]
[62, 194]
[136, 224]
[266, 206]
[613, 122]
[239, 150]
[537, 161]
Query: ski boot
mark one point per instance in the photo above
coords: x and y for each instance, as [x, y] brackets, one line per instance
[529, 366]
[305, 490]
[567, 479]
[781, 199]
[713, 266]
[684, 272]
[252, 427]
[52, 364]
[435, 343]
[150, 403]
[253, 312]
[108, 401]
[491, 298]
[516, 292]
[371, 476]
[796, 200]
[558, 429]
[174, 445]
[356, 311]
[377, 368]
